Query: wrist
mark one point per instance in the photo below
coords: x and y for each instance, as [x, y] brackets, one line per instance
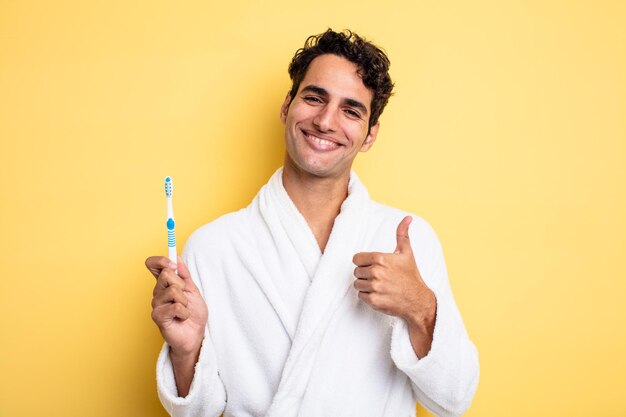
[422, 318]
[184, 364]
[185, 356]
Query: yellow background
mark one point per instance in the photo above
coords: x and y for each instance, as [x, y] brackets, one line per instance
[507, 133]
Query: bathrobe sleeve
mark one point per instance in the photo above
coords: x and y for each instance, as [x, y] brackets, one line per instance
[445, 380]
[207, 396]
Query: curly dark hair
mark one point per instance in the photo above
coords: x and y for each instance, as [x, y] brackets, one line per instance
[371, 61]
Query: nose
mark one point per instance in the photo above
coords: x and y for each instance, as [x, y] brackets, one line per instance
[325, 119]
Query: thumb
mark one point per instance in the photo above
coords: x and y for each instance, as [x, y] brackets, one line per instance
[184, 273]
[403, 244]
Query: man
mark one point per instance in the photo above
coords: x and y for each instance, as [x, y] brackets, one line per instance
[322, 302]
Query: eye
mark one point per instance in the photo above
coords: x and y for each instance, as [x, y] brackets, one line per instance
[352, 113]
[312, 99]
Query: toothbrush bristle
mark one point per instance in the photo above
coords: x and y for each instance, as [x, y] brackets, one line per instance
[168, 187]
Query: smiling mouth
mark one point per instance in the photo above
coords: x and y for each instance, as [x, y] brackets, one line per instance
[323, 143]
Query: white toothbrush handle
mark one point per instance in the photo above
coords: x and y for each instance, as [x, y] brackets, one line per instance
[171, 253]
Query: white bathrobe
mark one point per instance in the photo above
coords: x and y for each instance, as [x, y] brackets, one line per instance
[287, 334]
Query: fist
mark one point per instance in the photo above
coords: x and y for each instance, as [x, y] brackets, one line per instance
[178, 308]
[391, 282]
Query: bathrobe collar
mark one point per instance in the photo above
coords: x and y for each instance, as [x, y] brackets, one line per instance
[331, 275]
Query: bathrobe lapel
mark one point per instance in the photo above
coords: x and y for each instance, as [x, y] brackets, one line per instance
[332, 276]
[293, 223]
[287, 249]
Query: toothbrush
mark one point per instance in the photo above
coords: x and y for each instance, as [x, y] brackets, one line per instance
[171, 224]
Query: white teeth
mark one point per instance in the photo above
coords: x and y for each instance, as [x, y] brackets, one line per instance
[321, 141]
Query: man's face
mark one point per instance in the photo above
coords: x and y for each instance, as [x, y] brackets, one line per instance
[326, 123]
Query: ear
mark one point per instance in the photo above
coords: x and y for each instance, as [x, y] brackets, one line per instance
[285, 108]
[370, 138]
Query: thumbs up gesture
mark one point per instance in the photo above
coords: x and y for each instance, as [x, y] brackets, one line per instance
[391, 283]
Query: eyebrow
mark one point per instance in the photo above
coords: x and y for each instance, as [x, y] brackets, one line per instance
[324, 93]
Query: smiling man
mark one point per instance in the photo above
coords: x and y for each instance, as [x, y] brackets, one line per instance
[315, 300]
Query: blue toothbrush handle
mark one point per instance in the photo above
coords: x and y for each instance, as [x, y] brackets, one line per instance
[171, 240]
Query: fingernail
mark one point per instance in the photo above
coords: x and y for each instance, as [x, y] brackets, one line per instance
[171, 265]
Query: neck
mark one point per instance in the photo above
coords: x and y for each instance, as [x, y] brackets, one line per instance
[318, 199]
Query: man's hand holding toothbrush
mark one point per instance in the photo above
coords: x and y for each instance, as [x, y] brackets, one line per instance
[180, 312]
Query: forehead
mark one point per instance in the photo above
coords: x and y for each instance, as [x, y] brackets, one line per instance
[339, 77]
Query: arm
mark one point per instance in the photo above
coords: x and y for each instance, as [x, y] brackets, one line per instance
[422, 326]
[429, 342]
[206, 396]
[446, 378]
[184, 369]
[187, 379]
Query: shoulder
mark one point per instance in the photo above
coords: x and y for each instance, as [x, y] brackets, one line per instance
[221, 232]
